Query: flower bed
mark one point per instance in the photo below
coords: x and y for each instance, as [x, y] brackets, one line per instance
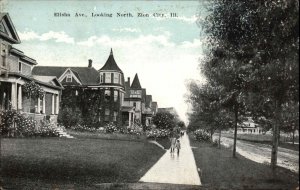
[158, 133]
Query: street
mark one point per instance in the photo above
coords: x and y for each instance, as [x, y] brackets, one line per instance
[261, 153]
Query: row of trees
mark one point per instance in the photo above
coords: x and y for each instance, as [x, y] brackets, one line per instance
[251, 67]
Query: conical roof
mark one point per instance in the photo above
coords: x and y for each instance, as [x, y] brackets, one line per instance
[136, 83]
[111, 64]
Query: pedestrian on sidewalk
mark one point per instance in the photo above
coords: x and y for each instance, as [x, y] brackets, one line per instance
[173, 142]
[177, 146]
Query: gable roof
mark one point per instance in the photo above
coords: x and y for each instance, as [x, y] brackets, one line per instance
[87, 75]
[136, 83]
[111, 64]
[10, 35]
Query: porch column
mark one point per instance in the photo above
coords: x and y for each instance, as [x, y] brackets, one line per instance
[39, 105]
[52, 110]
[129, 118]
[14, 95]
[44, 103]
[20, 98]
[57, 104]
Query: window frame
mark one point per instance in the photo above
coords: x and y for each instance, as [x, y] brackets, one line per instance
[69, 77]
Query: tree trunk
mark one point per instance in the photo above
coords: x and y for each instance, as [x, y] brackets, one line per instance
[275, 139]
[235, 129]
[293, 137]
[220, 138]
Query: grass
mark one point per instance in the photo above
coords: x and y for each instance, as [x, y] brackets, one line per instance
[220, 169]
[263, 139]
[68, 163]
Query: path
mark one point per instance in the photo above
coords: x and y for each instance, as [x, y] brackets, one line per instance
[261, 153]
[171, 168]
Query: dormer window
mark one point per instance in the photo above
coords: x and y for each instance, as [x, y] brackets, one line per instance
[69, 78]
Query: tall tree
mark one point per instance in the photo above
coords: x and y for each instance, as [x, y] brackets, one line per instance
[253, 53]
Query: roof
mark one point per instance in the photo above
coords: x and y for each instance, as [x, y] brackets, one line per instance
[154, 104]
[127, 109]
[127, 89]
[136, 83]
[87, 75]
[48, 79]
[15, 38]
[148, 100]
[144, 94]
[111, 64]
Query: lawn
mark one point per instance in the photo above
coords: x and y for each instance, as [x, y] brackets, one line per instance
[220, 169]
[36, 163]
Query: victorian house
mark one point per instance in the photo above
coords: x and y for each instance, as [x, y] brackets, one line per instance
[37, 97]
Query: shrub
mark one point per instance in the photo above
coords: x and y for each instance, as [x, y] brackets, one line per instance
[47, 129]
[202, 135]
[83, 128]
[15, 124]
[158, 133]
[110, 128]
[69, 117]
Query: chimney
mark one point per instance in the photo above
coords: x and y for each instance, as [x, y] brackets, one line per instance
[128, 80]
[90, 63]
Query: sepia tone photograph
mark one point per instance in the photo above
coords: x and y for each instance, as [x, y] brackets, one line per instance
[142, 94]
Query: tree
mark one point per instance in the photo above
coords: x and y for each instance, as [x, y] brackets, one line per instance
[253, 53]
[181, 125]
[164, 120]
[207, 110]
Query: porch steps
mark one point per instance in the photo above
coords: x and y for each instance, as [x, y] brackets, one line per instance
[63, 133]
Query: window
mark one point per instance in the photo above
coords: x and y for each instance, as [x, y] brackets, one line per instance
[134, 104]
[115, 95]
[101, 78]
[116, 78]
[69, 78]
[76, 92]
[107, 95]
[20, 67]
[107, 78]
[3, 54]
[120, 79]
[115, 115]
[106, 116]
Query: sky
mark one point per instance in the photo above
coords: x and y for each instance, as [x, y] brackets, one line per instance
[163, 51]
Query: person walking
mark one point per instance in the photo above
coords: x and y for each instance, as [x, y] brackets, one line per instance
[173, 142]
[177, 146]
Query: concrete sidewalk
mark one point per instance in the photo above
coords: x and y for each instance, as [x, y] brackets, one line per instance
[175, 169]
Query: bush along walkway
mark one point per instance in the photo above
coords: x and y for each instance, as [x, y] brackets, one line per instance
[175, 169]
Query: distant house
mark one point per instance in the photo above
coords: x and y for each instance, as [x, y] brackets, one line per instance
[137, 97]
[16, 74]
[249, 127]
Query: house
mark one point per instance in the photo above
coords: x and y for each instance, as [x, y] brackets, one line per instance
[86, 89]
[136, 96]
[36, 97]
[249, 127]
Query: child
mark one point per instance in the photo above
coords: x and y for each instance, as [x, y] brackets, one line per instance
[173, 142]
[177, 145]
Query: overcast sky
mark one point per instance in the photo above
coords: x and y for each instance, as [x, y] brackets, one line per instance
[163, 51]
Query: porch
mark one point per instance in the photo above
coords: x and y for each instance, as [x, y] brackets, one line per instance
[12, 96]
